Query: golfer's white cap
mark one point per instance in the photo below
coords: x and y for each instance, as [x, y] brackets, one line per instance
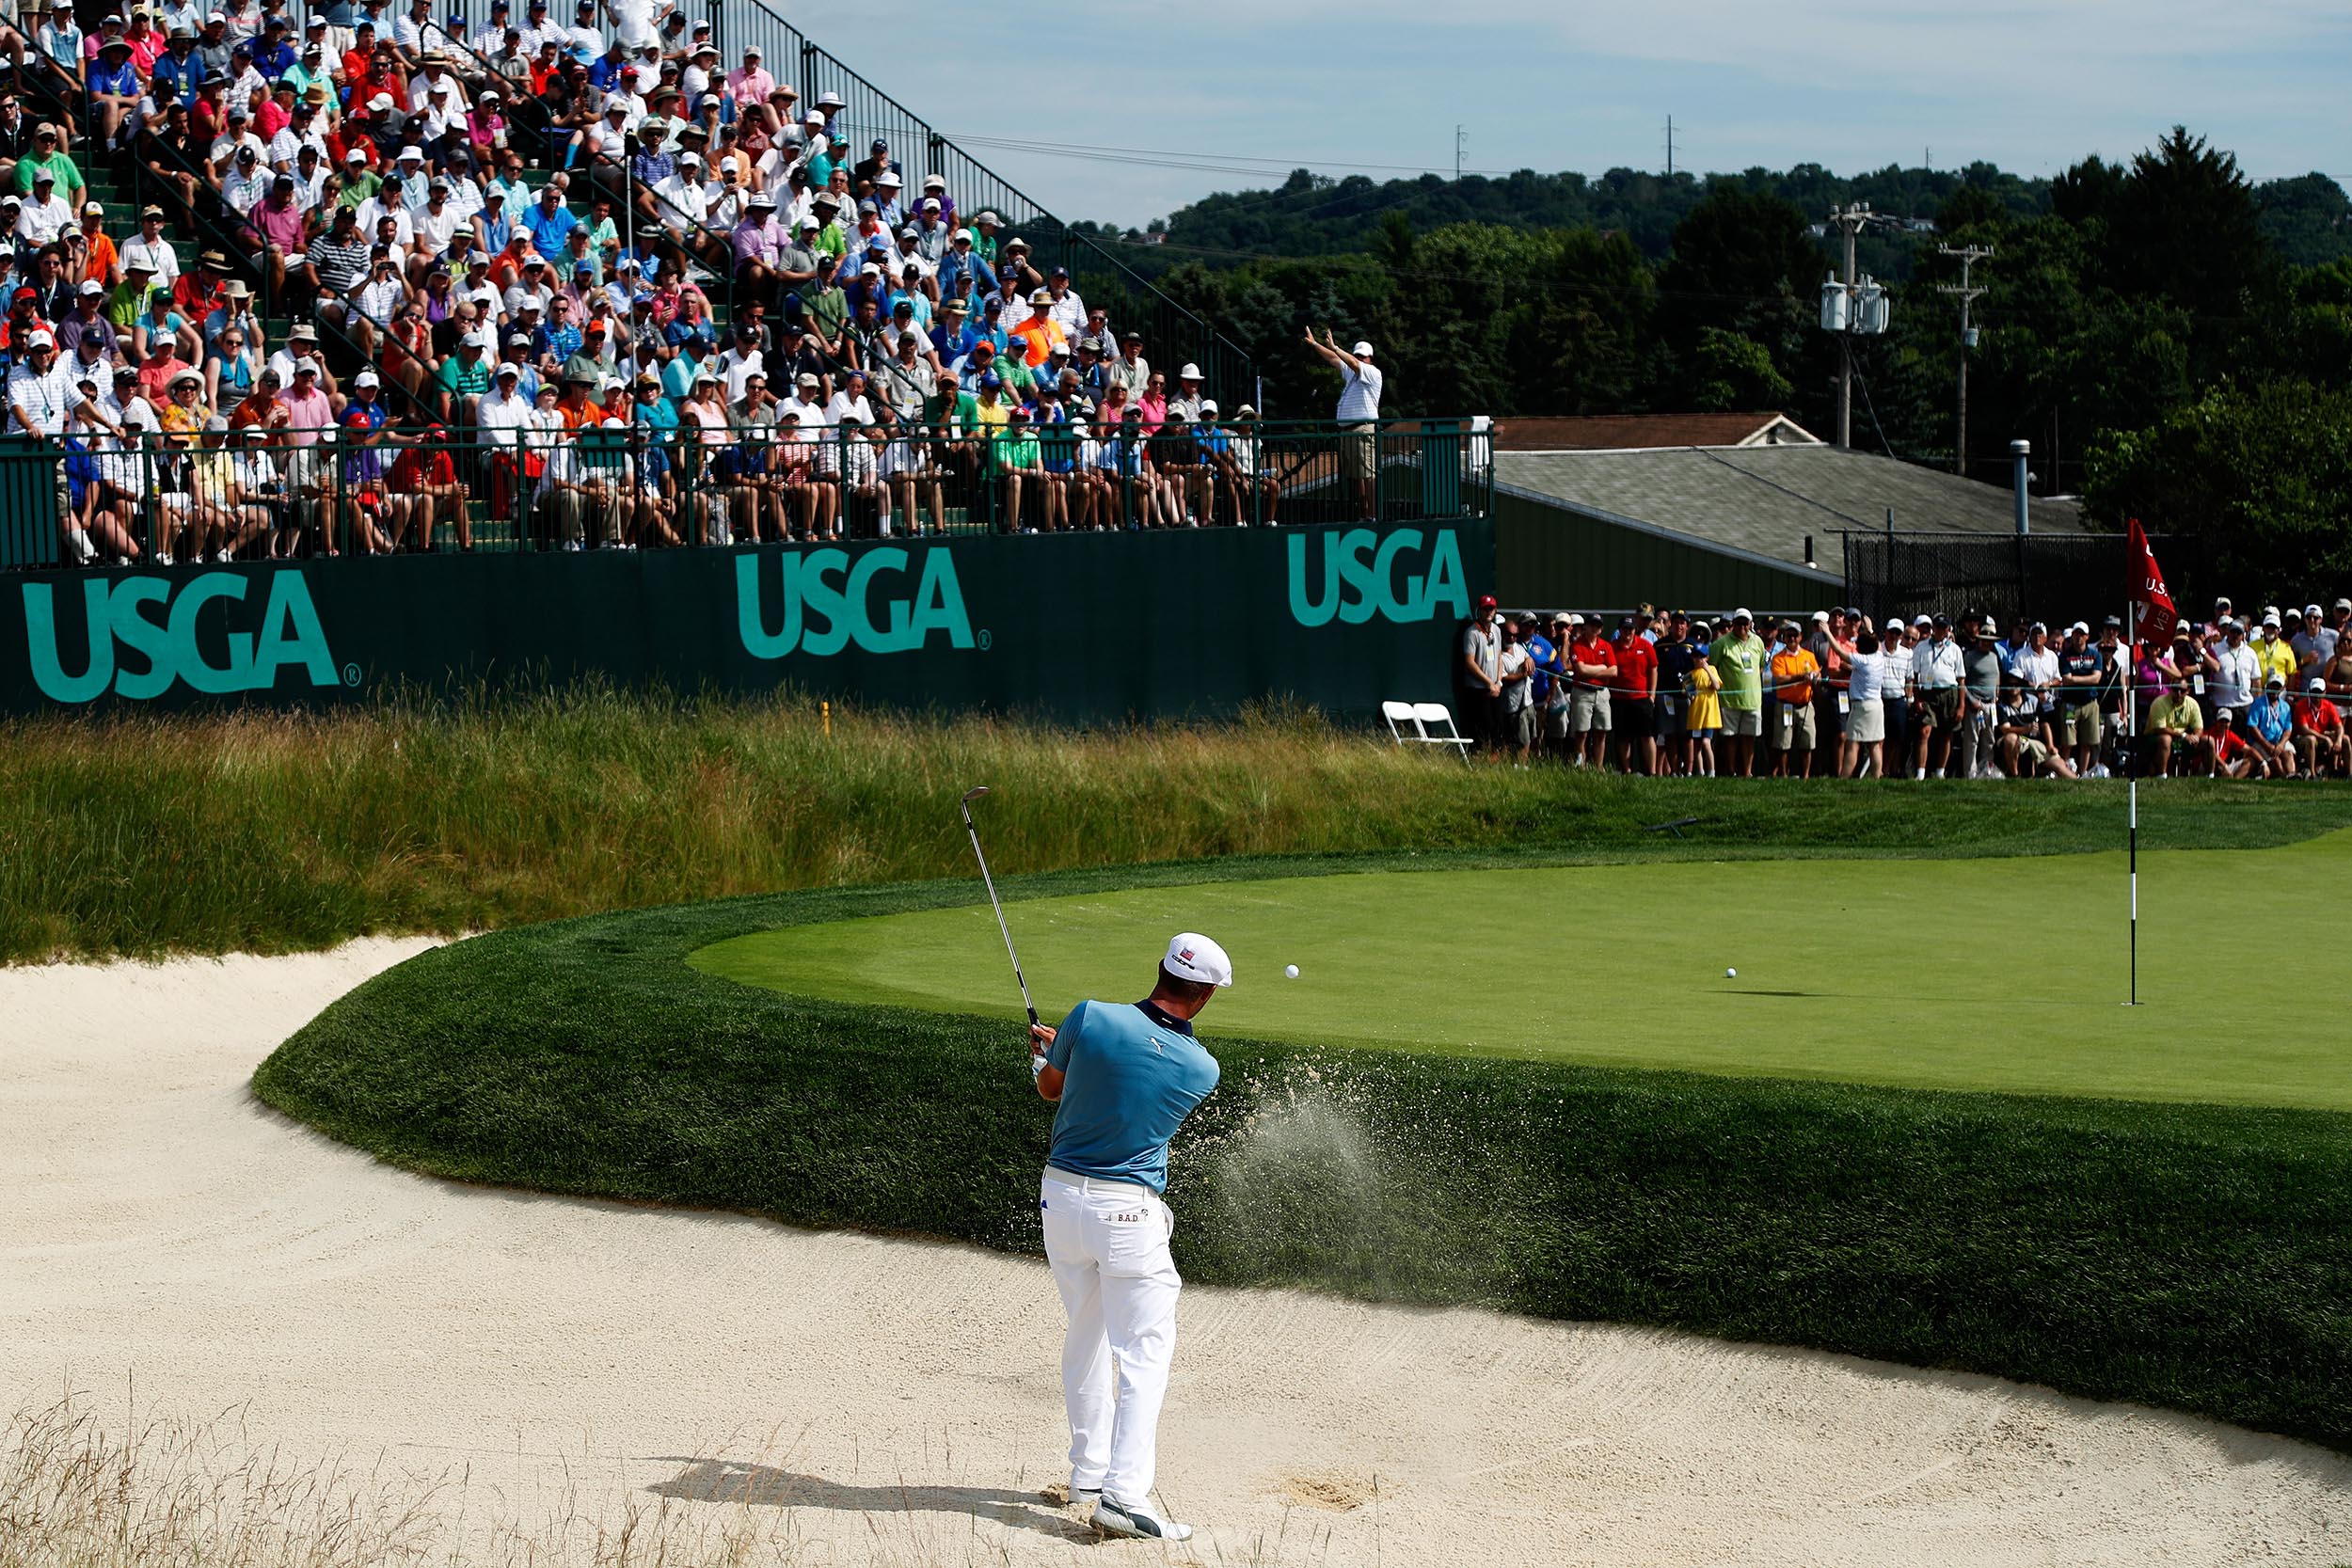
[1194, 957]
[1362, 349]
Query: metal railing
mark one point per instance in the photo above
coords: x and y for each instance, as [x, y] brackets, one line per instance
[196, 495]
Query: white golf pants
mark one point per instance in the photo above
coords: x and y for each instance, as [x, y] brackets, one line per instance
[1107, 1241]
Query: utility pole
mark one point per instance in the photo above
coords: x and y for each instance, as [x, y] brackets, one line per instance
[1670, 146]
[1848, 221]
[1969, 256]
[1461, 140]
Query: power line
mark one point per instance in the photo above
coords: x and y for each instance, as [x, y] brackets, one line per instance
[1236, 163]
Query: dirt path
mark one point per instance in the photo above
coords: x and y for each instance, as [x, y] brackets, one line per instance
[867, 1399]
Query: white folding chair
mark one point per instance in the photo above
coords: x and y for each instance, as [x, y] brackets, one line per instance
[1429, 716]
[1400, 718]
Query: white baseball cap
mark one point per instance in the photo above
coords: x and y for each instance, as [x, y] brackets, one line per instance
[1741, 615]
[1362, 349]
[366, 378]
[1194, 957]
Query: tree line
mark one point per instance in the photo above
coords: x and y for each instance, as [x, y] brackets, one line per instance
[2174, 339]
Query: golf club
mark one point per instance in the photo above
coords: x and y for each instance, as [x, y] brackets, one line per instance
[969, 795]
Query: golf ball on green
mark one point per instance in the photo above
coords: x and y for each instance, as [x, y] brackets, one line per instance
[1731, 975]
[1289, 971]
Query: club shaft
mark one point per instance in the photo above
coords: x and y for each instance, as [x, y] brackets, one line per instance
[989, 883]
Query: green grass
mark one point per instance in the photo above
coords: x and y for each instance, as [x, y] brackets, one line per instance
[2003, 974]
[2196, 1257]
[278, 831]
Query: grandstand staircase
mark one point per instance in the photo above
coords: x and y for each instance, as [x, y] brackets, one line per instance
[1172, 334]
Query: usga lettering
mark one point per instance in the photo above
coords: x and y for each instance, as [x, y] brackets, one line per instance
[164, 639]
[1361, 582]
[829, 603]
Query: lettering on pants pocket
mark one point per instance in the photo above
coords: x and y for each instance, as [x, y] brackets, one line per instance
[1129, 1218]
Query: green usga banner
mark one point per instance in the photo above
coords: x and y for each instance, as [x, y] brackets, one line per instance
[1087, 627]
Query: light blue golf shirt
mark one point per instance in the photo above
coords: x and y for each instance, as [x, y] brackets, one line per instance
[1133, 1074]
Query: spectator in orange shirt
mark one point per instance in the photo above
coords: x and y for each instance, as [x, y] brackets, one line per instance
[1794, 671]
[1039, 332]
[91, 251]
[576, 408]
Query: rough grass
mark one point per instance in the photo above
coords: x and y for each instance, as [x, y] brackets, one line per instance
[2191, 1256]
[273, 832]
[148, 1492]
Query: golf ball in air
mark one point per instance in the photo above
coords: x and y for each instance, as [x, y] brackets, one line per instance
[1289, 971]
[1731, 975]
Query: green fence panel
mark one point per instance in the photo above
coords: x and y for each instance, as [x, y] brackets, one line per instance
[30, 535]
[1089, 628]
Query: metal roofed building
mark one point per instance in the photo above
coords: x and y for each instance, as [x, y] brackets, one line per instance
[1756, 518]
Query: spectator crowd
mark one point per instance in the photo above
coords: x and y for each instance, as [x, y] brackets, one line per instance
[501, 256]
[1841, 694]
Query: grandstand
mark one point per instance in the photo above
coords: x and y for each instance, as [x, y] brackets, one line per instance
[376, 279]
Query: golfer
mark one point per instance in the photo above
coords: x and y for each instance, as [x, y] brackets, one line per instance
[1124, 1075]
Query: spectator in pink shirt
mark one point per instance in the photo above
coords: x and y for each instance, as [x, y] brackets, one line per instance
[278, 229]
[749, 84]
[759, 239]
[309, 411]
[145, 40]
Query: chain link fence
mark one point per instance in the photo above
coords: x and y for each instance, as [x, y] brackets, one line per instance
[2045, 577]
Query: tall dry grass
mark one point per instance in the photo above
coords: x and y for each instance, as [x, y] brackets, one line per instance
[77, 1493]
[270, 831]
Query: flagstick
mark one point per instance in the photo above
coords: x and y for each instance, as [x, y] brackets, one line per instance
[2131, 772]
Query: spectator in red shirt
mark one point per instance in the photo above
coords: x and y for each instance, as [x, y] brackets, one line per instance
[1594, 666]
[2233, 758]
[195, 293]
[1634, 699]
[2319, 734]
[356, 57]
[426, 476]
[23, 320]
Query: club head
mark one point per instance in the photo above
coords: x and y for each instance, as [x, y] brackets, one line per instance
[974, 792]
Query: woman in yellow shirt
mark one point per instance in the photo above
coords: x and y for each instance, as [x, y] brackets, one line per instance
[1701, 690]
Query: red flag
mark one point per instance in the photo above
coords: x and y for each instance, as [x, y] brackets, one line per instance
[2144, 584]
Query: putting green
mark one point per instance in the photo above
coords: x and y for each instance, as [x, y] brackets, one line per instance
[2005, 975]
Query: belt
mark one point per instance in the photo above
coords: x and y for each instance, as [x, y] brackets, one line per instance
[1096, 1184]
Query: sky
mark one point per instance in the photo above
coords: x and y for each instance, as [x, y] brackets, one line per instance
[1237, 87]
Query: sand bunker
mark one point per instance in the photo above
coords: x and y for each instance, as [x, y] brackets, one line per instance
[168, 1239]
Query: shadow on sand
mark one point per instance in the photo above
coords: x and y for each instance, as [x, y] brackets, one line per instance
[724, 1480]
